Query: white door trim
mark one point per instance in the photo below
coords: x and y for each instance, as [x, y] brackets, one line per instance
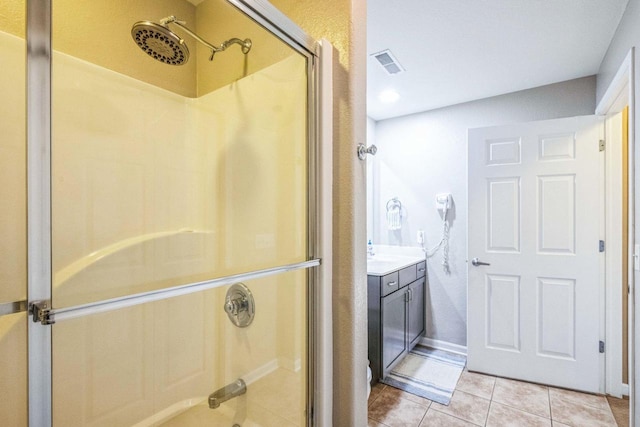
[613, 255]
[323, 294]
[621, 89]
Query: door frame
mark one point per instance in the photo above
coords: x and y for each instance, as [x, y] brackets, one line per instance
[620, 93]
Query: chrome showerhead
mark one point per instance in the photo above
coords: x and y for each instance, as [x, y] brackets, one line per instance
[160, 43]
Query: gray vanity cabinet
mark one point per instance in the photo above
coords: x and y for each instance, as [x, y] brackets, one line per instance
[396, 310]
[415, 306]
[394, 327]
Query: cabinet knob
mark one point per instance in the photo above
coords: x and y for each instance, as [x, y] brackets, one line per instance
[392, 283]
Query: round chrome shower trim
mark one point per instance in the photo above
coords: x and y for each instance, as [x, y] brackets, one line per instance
[160, 43]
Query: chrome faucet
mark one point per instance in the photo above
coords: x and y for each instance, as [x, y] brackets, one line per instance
[235, 389]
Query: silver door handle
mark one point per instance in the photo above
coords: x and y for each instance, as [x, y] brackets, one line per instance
[476, 262]
[392, 283]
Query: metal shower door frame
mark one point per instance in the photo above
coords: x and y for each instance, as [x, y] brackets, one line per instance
[39, 264]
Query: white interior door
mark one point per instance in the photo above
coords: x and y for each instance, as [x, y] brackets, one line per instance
[534, 217]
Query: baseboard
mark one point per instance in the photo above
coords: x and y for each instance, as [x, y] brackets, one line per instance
[444, 345]
[625, 389]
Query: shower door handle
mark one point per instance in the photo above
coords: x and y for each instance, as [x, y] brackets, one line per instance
[476, 262]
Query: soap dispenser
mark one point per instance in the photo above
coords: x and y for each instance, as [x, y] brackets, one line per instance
[370, 249]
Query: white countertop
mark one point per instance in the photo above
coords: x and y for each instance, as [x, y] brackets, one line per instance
[381, 264]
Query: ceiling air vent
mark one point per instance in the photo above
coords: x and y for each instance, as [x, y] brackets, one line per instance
[388, 61]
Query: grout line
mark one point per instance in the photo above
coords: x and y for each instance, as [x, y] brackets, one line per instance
[525, 410]
[486, 420]
[495, 381]
[425, 414]
[550, 410]
[456, 417]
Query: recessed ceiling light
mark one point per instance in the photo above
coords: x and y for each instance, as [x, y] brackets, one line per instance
[388, 96]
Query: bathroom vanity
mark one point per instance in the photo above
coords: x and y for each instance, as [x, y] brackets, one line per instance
[396, 309]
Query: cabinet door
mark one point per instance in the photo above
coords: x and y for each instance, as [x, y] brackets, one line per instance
[394, 322]
[416, 312]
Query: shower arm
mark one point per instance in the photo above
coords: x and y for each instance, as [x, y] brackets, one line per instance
[246, 44]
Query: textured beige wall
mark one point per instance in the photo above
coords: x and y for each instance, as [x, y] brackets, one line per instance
[343, 23]
[12, 17]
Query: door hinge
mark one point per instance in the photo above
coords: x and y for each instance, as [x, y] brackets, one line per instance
[601, 246]
[41, 312]
[602, 145]
[601, 347]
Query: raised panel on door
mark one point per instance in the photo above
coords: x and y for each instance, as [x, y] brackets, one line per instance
[502, 324]
[503, 217]
[394, 328]
[556, 214]
[416, 320]
[556, 321]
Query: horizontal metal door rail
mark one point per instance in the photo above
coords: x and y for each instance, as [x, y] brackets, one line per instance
[12, 307]
[56, 315]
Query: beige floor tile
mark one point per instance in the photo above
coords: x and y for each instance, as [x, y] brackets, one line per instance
[573, 414]
[620, 409]
[374, 423]
[594, 400]
[465, 406]
[477, 384]
[527, 397]
[506, 416]
[375, 392]
[395, 411]
[440, 419]
[557, 424]
[397, 393]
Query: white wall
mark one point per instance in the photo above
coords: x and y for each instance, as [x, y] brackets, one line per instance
[426, 153]
[371, 196]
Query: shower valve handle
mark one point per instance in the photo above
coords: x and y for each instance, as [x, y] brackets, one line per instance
[234, 306]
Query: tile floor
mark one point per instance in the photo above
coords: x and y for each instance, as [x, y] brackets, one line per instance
[481, 400]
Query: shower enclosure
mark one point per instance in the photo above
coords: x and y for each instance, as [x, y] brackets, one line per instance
[159, 224]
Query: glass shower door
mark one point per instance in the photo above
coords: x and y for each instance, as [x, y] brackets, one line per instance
[172, 186]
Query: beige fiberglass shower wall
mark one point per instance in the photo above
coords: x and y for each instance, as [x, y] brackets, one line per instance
[164, 176]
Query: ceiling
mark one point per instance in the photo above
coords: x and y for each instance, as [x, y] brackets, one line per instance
[455, 51]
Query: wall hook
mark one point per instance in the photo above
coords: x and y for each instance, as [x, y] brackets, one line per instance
[363, 151]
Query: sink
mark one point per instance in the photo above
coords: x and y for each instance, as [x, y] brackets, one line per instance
[385, 258]
[381, 264]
